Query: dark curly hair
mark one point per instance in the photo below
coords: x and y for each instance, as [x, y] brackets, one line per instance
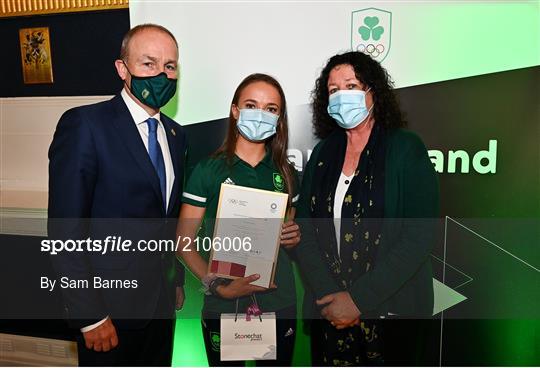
[386, 110]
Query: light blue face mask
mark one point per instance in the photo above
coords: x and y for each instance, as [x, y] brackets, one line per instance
[256, 125]
[348, 108]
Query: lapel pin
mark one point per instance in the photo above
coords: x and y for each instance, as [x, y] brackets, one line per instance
[173, 132]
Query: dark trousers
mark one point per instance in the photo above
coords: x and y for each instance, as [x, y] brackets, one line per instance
[285, 337]
[401, 342]
[148, 346]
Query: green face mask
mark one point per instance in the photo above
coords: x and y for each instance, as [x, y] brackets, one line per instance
[153, 91]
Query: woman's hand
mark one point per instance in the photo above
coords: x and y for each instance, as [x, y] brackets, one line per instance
[241, 287]
[346, 324]
[290, 234]
[339, 309]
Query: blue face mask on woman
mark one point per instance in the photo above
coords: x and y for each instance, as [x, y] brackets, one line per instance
[348, 108]
[256, 125]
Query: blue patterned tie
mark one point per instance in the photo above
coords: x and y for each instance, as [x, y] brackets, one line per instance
[156, 156]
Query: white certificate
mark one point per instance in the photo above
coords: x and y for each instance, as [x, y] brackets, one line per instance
[247, 233]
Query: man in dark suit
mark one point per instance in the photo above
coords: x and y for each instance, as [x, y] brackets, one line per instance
[116, 169]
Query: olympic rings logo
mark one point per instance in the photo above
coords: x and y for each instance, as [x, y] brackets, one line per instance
[371, 49]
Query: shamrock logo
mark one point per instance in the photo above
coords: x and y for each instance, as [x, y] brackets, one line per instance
[216, 340]
[371, 29]
[279, 183]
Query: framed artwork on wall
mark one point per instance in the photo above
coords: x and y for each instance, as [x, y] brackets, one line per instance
[36, 55]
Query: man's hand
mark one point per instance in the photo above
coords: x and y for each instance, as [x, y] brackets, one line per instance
[340, 309]
[180, 297]
[347, 324]
[241, 287]
[290, 234]
[101, 338]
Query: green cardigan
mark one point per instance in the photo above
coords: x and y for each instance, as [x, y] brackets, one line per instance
[401, 280]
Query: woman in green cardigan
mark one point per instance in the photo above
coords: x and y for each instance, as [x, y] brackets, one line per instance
[369, 201]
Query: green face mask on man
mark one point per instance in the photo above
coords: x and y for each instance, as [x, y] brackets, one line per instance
[154, 91]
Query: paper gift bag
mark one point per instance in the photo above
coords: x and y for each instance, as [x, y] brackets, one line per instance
[248, 340]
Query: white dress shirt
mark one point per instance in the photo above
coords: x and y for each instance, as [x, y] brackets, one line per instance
[140, 116]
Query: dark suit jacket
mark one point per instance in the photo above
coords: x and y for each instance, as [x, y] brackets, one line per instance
[102, 183]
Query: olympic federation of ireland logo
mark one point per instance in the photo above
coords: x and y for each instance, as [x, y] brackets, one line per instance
[371, 29]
